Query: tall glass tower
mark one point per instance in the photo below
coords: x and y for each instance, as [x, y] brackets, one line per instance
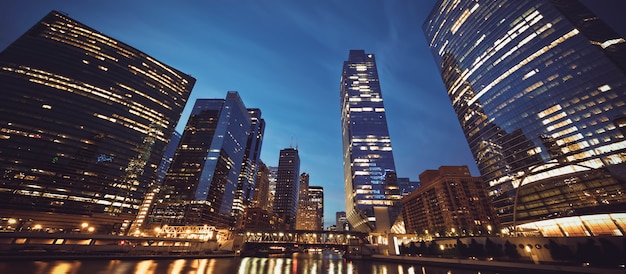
[367, 153]
[201, 183]
[84, 121]
[287, 186]
[539, 88]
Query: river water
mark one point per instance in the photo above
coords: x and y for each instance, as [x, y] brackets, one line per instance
[299, 263]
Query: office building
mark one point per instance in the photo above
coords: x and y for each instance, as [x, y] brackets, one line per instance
[366, 144]
[341, 222]
[84, 121]
[272, 188]
[287, 186]
[316, 197]
[200, 185]
[247, 178]
[539, 87]
[168, 155]
[451, 202]
[407, 186]
[261, 198]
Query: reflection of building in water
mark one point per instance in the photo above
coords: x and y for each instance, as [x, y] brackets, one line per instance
[539, 89]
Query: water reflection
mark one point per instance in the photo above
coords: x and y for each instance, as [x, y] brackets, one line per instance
[299, 263]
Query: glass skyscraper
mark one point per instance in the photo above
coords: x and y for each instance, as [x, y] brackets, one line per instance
[287, 186]
[250, 164]
[366, 143]
[539, 88]
[84, 121]
[200, 185]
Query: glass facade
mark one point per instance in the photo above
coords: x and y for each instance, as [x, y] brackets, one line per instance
[287, 186]
[539, 89]
[366, 143]
[84, 121]
[200, 185]
[249, 166]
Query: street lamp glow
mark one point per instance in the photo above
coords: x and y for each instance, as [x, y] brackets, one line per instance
[442, 247]
[91, 229]
[84, 225]
[12, 221]
[37, 227]
[527, 248]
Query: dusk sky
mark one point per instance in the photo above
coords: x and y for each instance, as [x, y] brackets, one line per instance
[286, 57]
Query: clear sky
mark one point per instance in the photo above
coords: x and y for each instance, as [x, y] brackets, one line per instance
[285, 57]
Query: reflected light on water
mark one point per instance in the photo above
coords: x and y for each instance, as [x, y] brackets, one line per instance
[145, 267]
[65, 267]
[177, 266]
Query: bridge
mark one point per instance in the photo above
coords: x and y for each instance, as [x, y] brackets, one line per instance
[262, 242]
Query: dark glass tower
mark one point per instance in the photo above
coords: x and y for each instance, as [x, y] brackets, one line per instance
[366, 143]
[249, 166]
[84, 121]
[168, 155]
[539, 88]
[287, 186]
[200, 185]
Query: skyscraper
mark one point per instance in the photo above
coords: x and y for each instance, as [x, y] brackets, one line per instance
[199, 188]
[262, 187]
[84, 121]
[166, 159]
[287, 186]
[538, 87]
[247, 177]
[316, 197]
[366, 143]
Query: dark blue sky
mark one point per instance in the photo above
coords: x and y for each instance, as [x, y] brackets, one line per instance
[285, 57]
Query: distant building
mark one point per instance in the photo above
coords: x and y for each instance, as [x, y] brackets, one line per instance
[200, 186]
[84, 121]
[366, 144]
[450, 202]
[261, 219]
[316, 197]
[262, 193]
[287, 186]
[341, 221]
[407, 186]
[272, 177]
[168, 155]
[538, 87]
[247, 177]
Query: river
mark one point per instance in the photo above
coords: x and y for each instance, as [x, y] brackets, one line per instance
[299, 263]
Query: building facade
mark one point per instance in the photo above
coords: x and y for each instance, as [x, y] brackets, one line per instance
[84, 122]
[287, 186]
[168, 155]
[200, 185]
[450, 202]
[316, 197]
[539, 89]
[341, 222]
[261, 198]
[249, 166]
[366, 143]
